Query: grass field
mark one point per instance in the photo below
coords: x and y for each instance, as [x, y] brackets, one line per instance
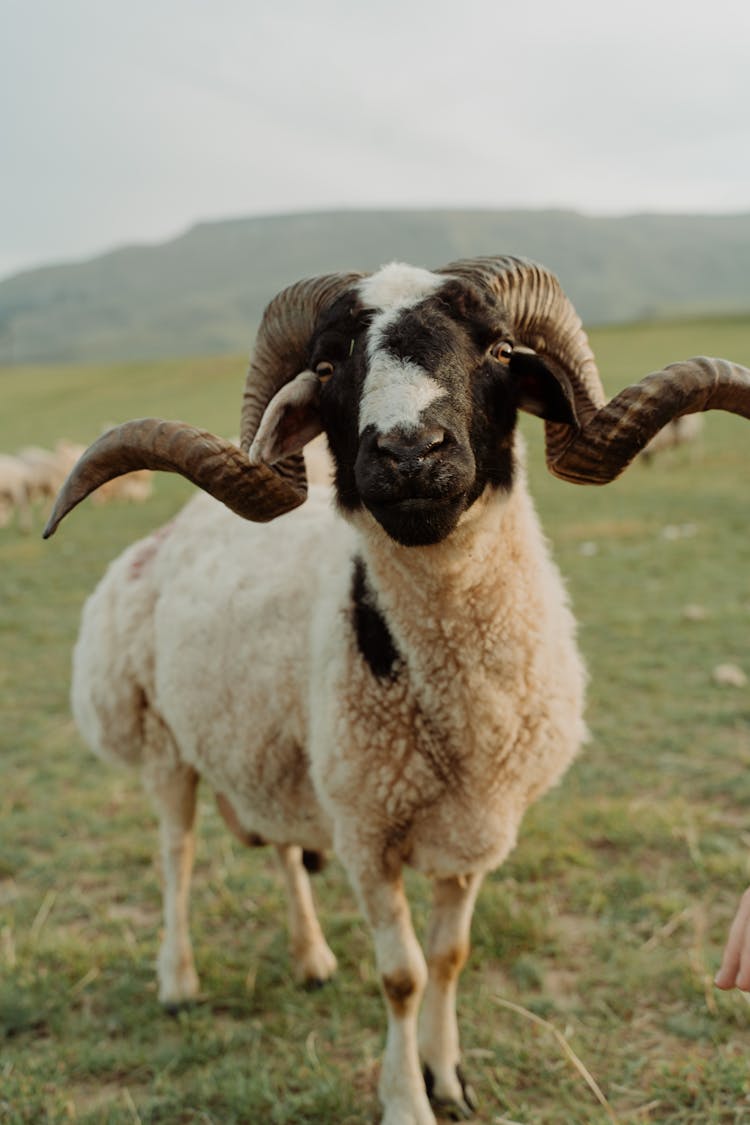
[596, 942]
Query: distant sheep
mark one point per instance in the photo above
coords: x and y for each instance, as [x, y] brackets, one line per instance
[135, 488]
[392, 669]
[15, 498]
[45, 472]
[34, 476]
[67, 453]
[680, 431]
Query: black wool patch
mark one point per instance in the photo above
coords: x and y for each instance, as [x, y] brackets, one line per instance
[373, 637]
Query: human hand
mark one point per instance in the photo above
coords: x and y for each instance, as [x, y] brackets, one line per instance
[735, 964]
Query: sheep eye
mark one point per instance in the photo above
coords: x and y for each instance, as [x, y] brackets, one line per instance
[324, 370]
[502, 351]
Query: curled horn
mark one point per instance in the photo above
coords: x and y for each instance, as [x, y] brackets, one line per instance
[283, 342]
[212, 463]
[621, 429]
[609, 434]
[255, 492]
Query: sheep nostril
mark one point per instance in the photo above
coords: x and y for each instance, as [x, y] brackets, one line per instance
[411, 447]
[435, 439]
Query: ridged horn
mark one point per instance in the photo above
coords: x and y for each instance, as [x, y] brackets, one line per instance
[622, 428]
[610, 434]
[283, 343]
[254, 492]
[544, 319]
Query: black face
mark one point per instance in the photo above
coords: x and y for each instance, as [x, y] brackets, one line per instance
[419, 406]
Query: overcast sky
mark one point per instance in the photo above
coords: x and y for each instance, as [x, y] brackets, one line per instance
[128, 120]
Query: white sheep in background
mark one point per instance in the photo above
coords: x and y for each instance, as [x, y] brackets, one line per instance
[132, 488]
[15, 497]
[44, 472]
[393, 673]
[67, 453]
[135, 487]
[35, 475]
[685, 430]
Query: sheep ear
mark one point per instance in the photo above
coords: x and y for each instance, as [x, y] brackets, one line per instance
[544, 389]
[289, 422]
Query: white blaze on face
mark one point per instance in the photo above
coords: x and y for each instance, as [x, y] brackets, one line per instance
[396, 391]
[395, 394]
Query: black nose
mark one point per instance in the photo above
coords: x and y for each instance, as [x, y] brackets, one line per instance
[412, 446]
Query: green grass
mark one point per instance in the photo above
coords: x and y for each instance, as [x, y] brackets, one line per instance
[607, 921]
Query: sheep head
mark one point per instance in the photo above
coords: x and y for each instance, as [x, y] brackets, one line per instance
[416, 380]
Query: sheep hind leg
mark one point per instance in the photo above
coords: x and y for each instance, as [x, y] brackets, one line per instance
[173, 792]
[447, 949]
[314, 963]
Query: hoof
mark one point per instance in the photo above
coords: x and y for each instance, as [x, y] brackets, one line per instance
[453, 1109]
[313, 965]
[173, 1008]
[314, 984]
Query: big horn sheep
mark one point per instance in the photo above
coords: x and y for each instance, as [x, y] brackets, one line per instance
[393, 674]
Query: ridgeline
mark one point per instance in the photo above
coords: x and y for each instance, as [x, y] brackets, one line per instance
[203, 292]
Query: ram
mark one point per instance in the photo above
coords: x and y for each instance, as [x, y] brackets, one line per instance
[15, 492]
[390, 670]
[45, 471]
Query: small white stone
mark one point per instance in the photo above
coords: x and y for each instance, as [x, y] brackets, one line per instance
[674, 531]
[695, 613]
[729, 675]
[588, 549]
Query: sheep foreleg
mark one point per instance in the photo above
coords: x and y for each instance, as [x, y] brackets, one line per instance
[447, 951]
[403, 975]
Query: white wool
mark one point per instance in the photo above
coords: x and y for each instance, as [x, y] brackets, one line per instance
[397, 286]
[239, 636]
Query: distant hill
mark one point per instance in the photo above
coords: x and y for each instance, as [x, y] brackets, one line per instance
[204, 292]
